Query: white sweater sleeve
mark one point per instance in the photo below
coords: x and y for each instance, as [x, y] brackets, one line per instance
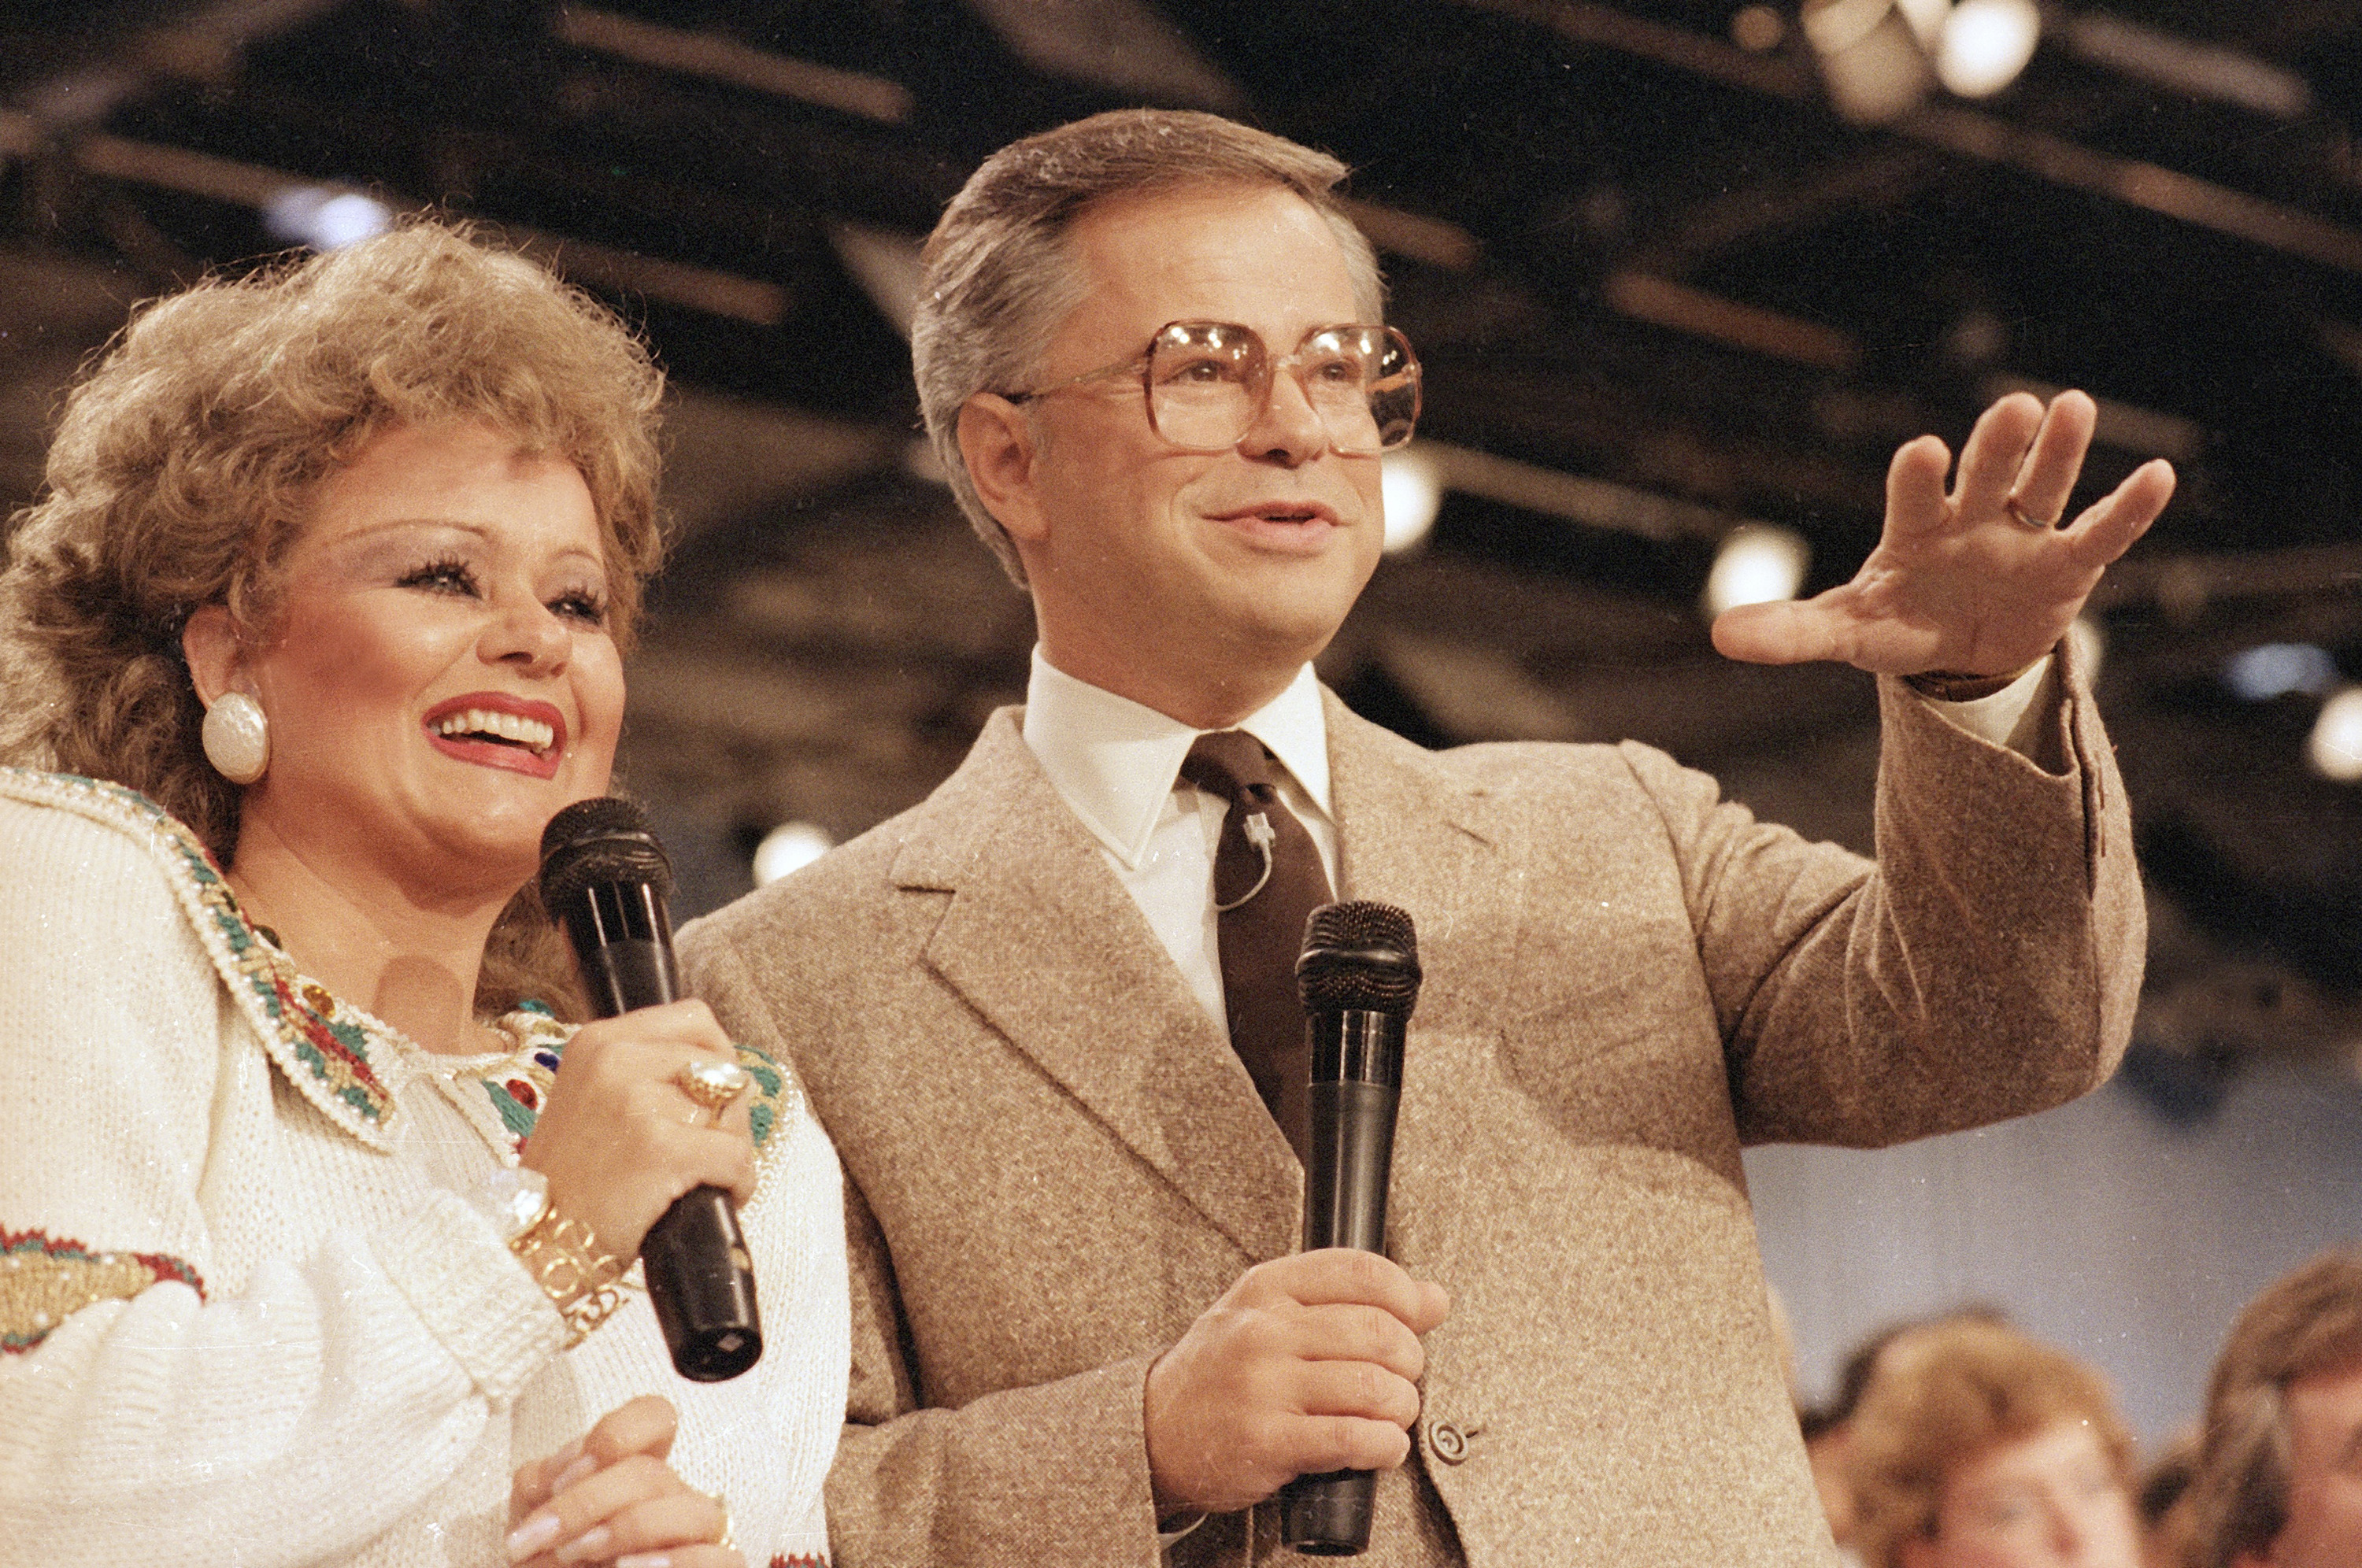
[147, 1414]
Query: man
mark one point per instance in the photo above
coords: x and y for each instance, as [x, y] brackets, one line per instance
[1080, 1336]
[2279, 1474]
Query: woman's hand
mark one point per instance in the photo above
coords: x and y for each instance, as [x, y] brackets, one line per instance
[610, 1497]
[618, 1139]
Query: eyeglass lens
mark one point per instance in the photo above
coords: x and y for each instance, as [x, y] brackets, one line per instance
[1208, 382]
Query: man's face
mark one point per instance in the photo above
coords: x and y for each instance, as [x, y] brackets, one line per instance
[2324, 1515]
[1158, 571]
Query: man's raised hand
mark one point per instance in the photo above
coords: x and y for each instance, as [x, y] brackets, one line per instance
[1963, 583]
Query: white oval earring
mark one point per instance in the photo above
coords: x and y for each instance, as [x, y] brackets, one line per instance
[237, 737]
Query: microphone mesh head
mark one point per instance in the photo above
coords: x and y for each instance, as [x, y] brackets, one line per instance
[602, 839]
[1363, 955]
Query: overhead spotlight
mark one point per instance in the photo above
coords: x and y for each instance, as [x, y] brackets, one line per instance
[1986, 43]
[2274, 669]
[1871, 58]
[2335, 746]
[324, 218]
[1412, 487]
[791, 846]
[1757, 564]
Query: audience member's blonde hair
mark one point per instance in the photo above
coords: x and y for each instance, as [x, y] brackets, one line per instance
[1947, 1393]
[183, 466]
[2307, 1323]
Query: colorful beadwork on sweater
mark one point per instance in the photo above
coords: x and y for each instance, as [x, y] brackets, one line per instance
[324, 1045]
[504, 1099]
[46, 1279]
[801, 1559]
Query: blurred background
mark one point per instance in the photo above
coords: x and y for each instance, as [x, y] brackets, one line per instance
[1683, 273]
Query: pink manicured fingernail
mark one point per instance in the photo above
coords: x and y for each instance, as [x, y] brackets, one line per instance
[588, 1546]
[645, 1560]
[566, 1477]
[532, 1536]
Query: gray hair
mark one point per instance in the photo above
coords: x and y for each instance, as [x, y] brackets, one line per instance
[999, 282]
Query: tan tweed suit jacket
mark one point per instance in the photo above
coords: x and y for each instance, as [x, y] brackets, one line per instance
[1055, 1162]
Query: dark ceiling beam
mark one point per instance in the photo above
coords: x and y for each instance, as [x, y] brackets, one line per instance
[1965, 133]
[206, 44]
[232, 182]
[719, 59]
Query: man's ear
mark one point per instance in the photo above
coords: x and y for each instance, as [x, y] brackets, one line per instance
[216, 653]
[997, 442]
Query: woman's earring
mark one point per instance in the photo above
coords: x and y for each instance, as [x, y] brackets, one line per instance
[237, 737]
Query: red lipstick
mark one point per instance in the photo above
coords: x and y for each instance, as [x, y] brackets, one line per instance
[496, 729]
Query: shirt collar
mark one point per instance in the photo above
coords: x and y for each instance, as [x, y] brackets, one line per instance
[1114, 761]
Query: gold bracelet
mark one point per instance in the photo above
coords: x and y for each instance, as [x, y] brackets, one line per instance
[579, 1280]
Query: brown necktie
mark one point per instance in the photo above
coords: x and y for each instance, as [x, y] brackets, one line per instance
[1267, 882]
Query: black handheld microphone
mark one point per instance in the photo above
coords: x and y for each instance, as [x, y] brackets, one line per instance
[1359, 977]
[604, 878]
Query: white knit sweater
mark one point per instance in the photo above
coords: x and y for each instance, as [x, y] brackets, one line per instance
[248, 1314]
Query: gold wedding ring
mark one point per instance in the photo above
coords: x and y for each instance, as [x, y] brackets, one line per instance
[2017, 515]
[713, 1084]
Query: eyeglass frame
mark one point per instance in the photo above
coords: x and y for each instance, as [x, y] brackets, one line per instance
[1138, 365]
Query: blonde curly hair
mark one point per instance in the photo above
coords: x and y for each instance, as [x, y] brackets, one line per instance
[1945, 1394]
[184, 465]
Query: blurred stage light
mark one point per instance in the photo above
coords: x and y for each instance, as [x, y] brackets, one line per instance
[1758, 28]
[2274, 669]
[1986, 43]
[1412, 486]
[2335, 749]
[324, 219]
[791, 846]
[1871, 59]
[1926, 18]
[1757, 564]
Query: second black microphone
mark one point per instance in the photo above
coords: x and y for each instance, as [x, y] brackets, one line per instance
[604, 880]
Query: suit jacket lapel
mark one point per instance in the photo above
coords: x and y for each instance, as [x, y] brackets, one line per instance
[1042, 941]
[1413, 834]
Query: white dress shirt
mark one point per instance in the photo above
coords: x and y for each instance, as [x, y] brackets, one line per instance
[1118, 766]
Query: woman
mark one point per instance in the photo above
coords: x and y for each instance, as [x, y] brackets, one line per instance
[304, 1230]
[1976, 1447]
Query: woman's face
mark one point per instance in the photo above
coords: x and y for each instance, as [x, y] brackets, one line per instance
[441, 679]
[2050, 1500]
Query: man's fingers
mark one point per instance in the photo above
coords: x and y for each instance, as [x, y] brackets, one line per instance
[1356, 1389]
[1993, 454]
[1915, 487]
[1360, 1334]
[1349, 1443]
[1784, 633]
[1346, 1277]
[2047, 477]
[2108, 528]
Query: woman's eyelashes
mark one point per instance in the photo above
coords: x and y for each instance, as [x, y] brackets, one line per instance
[454, 575]
[446, 575]
[580, 605]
